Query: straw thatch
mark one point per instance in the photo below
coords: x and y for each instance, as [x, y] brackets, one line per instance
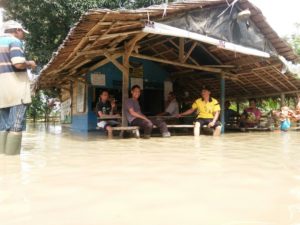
[102, 33]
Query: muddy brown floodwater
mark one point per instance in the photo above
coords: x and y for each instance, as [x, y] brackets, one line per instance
[70, 179]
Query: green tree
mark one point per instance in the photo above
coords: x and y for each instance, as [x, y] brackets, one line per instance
[50, 20]
[294, 39]
[35, 109]
[42, 105]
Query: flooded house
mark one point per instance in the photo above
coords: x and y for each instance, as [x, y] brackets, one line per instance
[227, 45]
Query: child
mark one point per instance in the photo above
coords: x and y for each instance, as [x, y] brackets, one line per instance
[285, 116]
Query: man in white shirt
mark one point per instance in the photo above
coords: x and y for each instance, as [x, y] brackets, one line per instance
[172, 108]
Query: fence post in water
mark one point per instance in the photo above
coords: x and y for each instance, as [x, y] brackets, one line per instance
[223, 102]
[282, 99]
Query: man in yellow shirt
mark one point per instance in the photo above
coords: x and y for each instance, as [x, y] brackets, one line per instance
[208, 110]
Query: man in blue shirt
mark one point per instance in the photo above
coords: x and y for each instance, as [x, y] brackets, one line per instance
[14, 87]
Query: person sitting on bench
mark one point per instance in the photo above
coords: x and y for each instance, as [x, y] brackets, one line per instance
[229, 113]
[105, 111]
[172, 108]
[251, 116]
[208, 110]
[136, 118]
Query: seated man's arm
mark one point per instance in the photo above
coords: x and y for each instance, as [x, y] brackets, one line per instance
[137, 115]
[217, 109]
[216, 117]
[187, 112]
[105, 116]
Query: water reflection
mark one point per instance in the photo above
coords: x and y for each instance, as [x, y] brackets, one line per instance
[238, 179]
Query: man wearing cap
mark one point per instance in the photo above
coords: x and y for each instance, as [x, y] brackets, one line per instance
[14, 87]
[208, 110]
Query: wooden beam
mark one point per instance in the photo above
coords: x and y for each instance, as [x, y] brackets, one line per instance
[85, 39]
[131, 44]
[277, 79]
[181, 50]
[163, 52]
[190, 52]
[103, 62]
[125, 86]
[285, 77]
[237, 82]
[267, 81]
[151, 45]
[172, 51]
[115, 62]
[253, 84]
[202, 68]
[209, 53]
[191, 58]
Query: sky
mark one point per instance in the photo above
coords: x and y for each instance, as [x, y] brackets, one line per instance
[280, 14]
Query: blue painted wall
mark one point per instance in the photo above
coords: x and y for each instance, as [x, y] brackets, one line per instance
[154, 77]
[153, 73]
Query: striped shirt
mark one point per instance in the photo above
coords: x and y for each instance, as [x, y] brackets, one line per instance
[14, 83]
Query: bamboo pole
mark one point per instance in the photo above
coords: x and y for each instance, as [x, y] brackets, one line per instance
[125, 86]
[223, 102]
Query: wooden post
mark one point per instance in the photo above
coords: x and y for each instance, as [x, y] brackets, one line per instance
[238, 106]
[125, 85]
[181, 50]
[282, 99]
[223, 102]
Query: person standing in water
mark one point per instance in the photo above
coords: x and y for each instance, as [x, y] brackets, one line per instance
[15, 95]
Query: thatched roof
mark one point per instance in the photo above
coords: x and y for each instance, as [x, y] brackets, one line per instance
[100, 32]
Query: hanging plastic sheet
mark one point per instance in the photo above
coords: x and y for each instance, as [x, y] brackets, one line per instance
[224, 25]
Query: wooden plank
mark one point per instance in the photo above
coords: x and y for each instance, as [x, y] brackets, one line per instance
[180, 126]
[125, 128]
[202, 68]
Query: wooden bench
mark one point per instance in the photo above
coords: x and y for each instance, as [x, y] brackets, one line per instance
[134, 129]
[180, 126]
